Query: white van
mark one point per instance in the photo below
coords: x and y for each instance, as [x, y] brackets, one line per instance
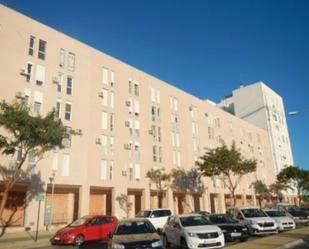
[255, 219]
[157, 217]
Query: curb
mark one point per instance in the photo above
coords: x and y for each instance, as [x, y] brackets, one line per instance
[291, 244]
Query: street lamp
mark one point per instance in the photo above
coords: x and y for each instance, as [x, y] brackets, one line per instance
[52, 182]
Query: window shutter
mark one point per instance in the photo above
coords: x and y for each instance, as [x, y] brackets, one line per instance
[38, 97]
[112, 95]
[136, 106]
[105, 97]
[65, 165]
[104, 120]
[158, 96]
[103, 169]
[40, 74]
[153, 95]
[137, 171]
[55, 161]
[105, 76]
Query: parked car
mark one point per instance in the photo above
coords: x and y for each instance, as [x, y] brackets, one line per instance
[298, 215]
[192, 231]
[231, 228]
[135, 233]
[203, 212]
[158, 217]
[257, 221]
[85, 229]
[284, 221]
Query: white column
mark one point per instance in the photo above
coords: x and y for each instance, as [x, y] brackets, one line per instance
[84, 195]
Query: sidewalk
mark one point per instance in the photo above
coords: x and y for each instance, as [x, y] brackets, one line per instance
[279, 241]
[22, 240]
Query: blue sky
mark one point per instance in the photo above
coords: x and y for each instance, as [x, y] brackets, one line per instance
[207, 48]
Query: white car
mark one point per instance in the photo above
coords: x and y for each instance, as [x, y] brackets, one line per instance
[257, 221]
[157, 217]
[284, 221]
[192, 231]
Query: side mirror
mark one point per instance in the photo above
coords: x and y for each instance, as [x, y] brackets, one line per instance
[159, 231]
[110, 235]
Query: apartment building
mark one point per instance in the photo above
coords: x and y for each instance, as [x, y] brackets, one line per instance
[130, 123]
[263, 107]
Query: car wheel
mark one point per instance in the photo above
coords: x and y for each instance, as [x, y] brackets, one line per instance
[79, 240]
[183, 244]
[243, 239]
[165, 242]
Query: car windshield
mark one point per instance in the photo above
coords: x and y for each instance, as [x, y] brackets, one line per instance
[253, 212]
[275, 213]
[78, 222]
[143, 214]
[134, 227]
[297, 212]
[189, 221]
[219, 219]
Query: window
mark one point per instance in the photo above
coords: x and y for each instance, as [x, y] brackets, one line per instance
[104, 121]
[68, 111]
[112, 99]
[29, 71]
[105, 97]
[160, 154]
[153, 94]
[55, 162]
[40, 75]
[158, 97]
[174, 157]
[175, 104]
[42, 50]
[105, 76]
[111, 169]
[137, 151]
[136, 107]
[112, 146]
[131, 173]
[61, 57]
[112, 78]
[177, 140]
[103, 169]
[153, 113]
[71, 61]
[130, 87]
[31, 45]
[65, 165]
[31, 160]
[38, 100]
[154, 153]
[136, 127]
[159, 134]
[111, 122]
[37, 107]
[58, 108]
[178, 159]
[136, 88]
[60, 82]
[104, 144]
[69, 85]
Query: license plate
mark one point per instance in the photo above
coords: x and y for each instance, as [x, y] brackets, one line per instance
[57, 238]
[235, 234]
[210, 241]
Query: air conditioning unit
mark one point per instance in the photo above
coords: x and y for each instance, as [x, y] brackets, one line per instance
[190, 108]
[78, 131]
[19, 95]
[124, 173]
[56, 80]
[127, 123]
[98, 140]
[100, 94]
[23, 72]
[150, 132]
[128, 103]
[127, 146]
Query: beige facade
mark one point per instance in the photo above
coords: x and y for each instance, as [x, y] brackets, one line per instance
[130, 122]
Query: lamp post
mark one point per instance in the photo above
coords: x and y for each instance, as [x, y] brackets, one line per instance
[52, 182]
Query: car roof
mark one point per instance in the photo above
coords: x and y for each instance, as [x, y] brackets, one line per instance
[186, 215]
[155, 209]
[132, 220]
[246, 207]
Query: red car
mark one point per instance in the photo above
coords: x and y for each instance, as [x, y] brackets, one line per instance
[95, 227]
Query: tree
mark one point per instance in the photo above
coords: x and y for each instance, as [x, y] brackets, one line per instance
[23, 135]
[261, 189]
[189, 182]
[228, 164]
[159, 178]
[124, 203]
[277, 189]
[293, 175]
